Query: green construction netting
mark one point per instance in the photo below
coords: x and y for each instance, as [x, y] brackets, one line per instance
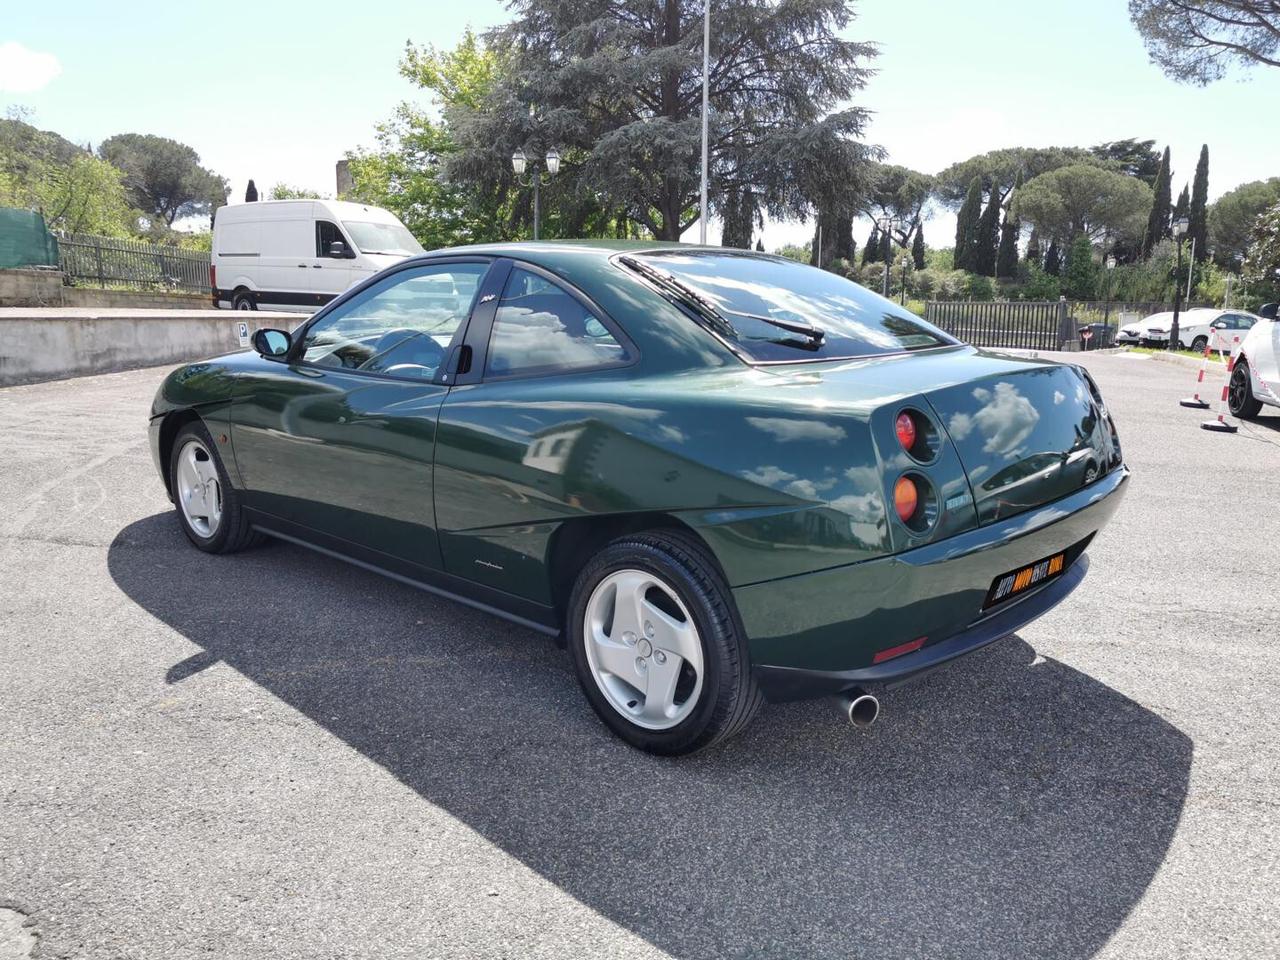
[24, 241]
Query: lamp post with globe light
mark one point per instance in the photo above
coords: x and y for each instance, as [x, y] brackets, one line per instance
[520, 162]
[1180, 227]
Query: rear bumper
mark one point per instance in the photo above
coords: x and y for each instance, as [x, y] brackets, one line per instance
[818, 633]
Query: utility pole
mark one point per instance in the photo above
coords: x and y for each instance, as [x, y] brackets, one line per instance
[706, 80]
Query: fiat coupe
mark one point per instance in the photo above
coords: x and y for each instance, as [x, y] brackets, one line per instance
[717, 477]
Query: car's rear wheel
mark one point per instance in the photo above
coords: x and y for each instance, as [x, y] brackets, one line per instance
[1240, 399]
[243, 300]
[1198, 344]
[657, 646]
[209, 508]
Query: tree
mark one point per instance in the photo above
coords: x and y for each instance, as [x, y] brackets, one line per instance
[760, 245]
[1052, 262]
[967, 224]
[1199, 41]
[738, 219]
[898, 194]
[871, 250]
[1010, 230]
[1232, 217]
[1197, 212]
[1158, 219]
[1180, 209]
[917, 247]
[617, 88]
[1002, 168]
[986, 237]
[1262, 263]
[1084, 199]
[162, 177]
[1132, 157]
[285, 191]
[251, 192]
[1080, 279]
[1033, 254]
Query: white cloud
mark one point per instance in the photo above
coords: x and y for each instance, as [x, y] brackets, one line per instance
[26, 71]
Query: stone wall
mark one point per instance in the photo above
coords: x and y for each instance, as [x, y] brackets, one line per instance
[26, 287]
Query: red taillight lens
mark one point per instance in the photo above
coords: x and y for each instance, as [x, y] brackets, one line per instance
[905, 498]
[906, 431]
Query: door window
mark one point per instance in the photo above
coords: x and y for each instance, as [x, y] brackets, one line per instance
[540, 328]
[327, 233]
[400, 327]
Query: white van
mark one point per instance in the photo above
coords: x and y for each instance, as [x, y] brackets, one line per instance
[299, 254]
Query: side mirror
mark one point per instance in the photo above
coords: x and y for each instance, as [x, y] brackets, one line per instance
[1268, 311]
[272, 343]
[338, 249]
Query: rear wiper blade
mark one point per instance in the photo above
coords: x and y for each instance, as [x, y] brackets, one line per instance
[808, 330]
[683, 293]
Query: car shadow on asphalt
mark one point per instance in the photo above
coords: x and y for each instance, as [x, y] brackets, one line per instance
[1006, 806]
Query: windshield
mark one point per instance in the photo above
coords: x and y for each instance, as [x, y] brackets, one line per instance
[388, 238]
[781, 310]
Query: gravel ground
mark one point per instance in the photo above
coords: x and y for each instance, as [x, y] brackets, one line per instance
[274, 755]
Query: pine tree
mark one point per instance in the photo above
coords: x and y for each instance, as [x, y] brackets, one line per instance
[1033, 249]
[251, 194]
[967, 223]
[1052, 263]
[1158, 221]
[986, 237]
[1197, 212]
[1007, 255]
[871, 252]
[917, 247]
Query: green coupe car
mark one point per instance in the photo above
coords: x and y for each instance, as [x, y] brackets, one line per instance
[716, 476]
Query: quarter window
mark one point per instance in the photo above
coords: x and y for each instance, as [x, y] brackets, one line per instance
[539, 328]
[401, 327]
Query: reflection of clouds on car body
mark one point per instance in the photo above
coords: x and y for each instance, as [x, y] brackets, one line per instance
[1006, 419]
[784, 430]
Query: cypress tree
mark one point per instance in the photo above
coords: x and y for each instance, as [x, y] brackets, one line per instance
[987, 236]
[917, 247]
[251, 193]
[1158, 221]
[886, 247]
[967, 224]
[1197, 213]
[760, 245]
[871, 252]
[1052, 263]
[1033, 249]
[1180, 208]
[1007, 255]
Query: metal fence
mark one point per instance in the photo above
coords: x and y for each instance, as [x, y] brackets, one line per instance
[1031, 325]
[107, 261]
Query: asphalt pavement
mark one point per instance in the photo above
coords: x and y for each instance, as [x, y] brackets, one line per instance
[274, 755]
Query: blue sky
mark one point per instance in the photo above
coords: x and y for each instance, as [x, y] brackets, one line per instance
[279, 91]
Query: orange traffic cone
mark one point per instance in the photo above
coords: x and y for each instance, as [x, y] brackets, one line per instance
[1194, 400]
[1219, 423]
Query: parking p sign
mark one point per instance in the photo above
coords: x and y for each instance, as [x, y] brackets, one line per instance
[242, 330]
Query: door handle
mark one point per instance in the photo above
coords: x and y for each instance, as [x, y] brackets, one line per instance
[302, 266]
[318, 266]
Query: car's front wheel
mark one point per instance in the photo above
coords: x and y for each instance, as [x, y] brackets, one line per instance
[657, 646]
[1240, 398]
[1199, 343]
[208, 507]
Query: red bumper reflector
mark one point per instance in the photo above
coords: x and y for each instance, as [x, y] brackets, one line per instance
[899, 650]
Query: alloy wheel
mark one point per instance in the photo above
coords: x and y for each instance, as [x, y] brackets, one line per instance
[199, 490]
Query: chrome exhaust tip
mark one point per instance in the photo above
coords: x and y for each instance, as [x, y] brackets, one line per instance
[860, 707]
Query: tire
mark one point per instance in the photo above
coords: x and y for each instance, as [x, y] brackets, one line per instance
[243, 300]
[708, 702]
[1198, 344]
[1240, 399]
[212, 516]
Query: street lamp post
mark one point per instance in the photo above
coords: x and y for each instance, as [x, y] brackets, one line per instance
[886, 225]
[903, 296]
[1179, 231]
[520, 163]
[1111, 265]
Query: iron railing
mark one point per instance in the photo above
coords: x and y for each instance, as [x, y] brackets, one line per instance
[1025, 324]
[111, 262]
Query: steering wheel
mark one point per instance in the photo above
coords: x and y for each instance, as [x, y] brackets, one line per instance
[402, 348]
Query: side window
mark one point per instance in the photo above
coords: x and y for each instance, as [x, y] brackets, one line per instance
[326, 233]
[1242, 322]
[539, 328]
[401, 327]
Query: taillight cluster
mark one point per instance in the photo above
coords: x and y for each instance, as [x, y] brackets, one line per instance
[913, 497]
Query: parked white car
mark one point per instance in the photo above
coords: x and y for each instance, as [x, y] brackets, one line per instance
[297, 255]
[1195, 328]
[1255, 378]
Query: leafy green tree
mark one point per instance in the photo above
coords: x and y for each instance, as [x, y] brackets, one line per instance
[738, 219]
[1052, 261]
[1232, 217]
[1197, 211]
[1135, 158]
[793, 252]
[1080, 279]
[986, 238]
[1158, 219]
[1199, 41]
[1034, 254]
[1039, 284]
[967, 224]
[1181, 208]
[617, 88]
[1002, 168]
[1262, 262]
[163, 178]
[285, 191]
[898, 194]
[1084, 199]
[917, 247]
[871, 250]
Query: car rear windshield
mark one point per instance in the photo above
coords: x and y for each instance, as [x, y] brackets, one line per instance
[750, 290]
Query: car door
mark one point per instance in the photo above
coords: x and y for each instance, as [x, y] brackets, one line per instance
[518, 434]
[336, 440]
[285, 262]
[331, 274]
[1266, 356]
